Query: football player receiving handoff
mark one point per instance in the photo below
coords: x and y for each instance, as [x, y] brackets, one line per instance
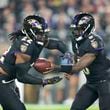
[91, 59]
[26, 46]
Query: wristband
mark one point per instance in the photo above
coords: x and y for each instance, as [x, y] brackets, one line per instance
[66, 68]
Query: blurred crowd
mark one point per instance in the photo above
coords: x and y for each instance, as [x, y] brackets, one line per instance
[58, 14]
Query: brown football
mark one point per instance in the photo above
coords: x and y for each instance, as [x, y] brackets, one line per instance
[42, 65]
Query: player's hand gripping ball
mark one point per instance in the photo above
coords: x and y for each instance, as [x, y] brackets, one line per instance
[43, 65]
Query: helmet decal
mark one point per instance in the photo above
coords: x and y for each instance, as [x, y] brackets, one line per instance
[83, 20]
[34, 23]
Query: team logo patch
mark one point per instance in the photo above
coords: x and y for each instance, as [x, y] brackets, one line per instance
[94, 44]
[23, 48]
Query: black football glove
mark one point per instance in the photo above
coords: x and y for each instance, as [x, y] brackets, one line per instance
[52, 80]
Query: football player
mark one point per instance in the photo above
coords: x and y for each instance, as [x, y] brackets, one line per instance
[25, 49]
[91, 59]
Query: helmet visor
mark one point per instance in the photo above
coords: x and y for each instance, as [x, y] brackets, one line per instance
[77, 31]
[39, 35]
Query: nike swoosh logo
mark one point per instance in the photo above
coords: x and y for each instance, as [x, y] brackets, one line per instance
[5, 82]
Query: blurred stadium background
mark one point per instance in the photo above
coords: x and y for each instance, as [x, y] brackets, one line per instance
[58, 13]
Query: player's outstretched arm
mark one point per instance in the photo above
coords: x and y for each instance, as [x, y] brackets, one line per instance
[24, 77]
[56, 44]
[22, 68]
[84, 61]
[67, 65]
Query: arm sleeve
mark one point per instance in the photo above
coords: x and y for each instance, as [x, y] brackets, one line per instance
[56, 44]
[23, 75]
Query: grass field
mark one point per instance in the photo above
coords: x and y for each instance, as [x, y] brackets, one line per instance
[52, 107]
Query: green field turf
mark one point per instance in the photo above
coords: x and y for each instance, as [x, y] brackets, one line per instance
[52, 107]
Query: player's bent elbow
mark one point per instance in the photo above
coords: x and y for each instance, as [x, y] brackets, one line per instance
[20, 79]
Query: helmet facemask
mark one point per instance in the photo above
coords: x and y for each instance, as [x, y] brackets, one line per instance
[78, 32]
[38, 37]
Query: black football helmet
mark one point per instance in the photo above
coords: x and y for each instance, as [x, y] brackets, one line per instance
[82, 25]
[35, 27]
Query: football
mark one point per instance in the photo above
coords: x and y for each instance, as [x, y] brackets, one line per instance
[43, 65]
